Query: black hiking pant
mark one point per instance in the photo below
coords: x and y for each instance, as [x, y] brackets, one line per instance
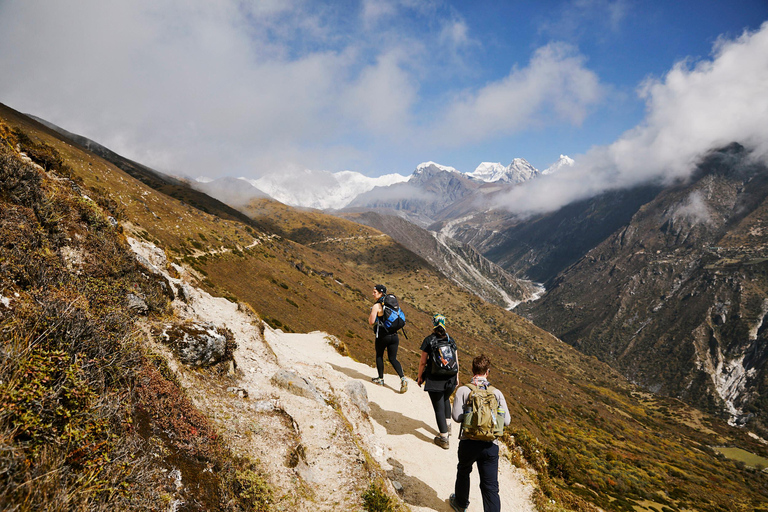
[441, 403]
[389, 343]
[486, 455]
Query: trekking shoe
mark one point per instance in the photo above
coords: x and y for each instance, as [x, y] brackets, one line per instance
[403, 385]
[442, 442]
[378, 380]
[455, 506]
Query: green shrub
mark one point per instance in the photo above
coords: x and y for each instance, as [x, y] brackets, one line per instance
[376, 500]
[251, 490]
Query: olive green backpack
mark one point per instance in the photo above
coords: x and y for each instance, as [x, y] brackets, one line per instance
[484, 419]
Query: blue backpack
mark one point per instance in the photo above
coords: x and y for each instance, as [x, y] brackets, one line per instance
[393, 318]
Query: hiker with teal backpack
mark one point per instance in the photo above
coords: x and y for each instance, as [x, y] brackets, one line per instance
[482, 411]
[439, 371]
[387, 318]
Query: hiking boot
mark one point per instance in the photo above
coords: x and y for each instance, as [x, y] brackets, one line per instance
[378, 380]
[403, 385]
[442, 442]
[455, 506]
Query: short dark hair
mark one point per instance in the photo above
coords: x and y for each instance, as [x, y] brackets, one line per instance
[380, 288]
[480, 365]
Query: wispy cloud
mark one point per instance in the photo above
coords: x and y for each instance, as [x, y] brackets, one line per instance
[246, 88]
[556, 85]
[580, 18]
[695, 108]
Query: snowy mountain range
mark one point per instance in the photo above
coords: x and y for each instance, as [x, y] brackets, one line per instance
[321, 189]
[516, 172]
[329, 191]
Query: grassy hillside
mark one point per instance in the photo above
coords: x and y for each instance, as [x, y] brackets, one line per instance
[594, 438]
[89, 420]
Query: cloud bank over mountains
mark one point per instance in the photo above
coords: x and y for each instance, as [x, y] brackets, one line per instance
[247, 88]
[695, 108]
[260, 88]
[556, 84]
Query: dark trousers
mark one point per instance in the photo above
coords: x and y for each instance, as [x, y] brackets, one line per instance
[486, 455]
[390, 344]
[441, 403]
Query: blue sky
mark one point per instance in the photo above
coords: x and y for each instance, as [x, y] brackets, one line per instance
[238, 88]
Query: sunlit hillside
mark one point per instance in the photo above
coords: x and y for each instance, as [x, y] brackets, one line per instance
[592, 437]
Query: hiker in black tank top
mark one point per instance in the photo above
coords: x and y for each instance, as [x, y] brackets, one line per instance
[385, 342]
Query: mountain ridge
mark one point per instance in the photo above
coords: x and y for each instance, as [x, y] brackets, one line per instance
[593, 438]
[704, 240]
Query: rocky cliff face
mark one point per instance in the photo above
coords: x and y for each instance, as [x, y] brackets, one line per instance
[538, 248]
[422, 199]
[676, 299]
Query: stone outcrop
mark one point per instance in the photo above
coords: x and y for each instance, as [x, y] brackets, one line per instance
[197, 344]
[296, 384]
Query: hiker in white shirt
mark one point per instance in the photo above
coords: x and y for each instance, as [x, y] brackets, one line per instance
[471, 451]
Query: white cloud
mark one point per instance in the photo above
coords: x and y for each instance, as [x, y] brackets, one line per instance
[694, 109]
[556, 86]
[694, 209]
[241, 88]
[374, 11]
[455, 33]
[381, 98]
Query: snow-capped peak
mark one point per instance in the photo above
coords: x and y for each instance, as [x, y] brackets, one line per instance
[488, 171]
[563, 161]
[520, 170]
[432, 166]
[516, 172]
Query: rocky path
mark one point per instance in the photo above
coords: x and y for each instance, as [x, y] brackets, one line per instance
[312, 417]
[403, 429]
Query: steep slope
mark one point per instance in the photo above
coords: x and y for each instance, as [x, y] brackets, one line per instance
[591, 436]
[677, 299]
[540, 247]
[235, 192]
[459, 262]
[169, 185]
[89, 418]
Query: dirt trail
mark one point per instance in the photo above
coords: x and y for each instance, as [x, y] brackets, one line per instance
[310, 440]
[403, 428]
